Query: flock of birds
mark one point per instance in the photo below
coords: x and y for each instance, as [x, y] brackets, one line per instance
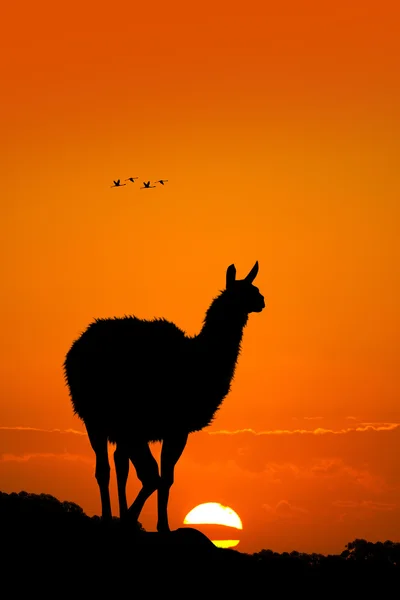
[146, 184]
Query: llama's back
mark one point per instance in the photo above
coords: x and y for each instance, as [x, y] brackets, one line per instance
[120, 370]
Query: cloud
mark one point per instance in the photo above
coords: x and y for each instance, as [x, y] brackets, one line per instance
[362, 478]
[28, 441]
[365, 510]
[318, 431]
[370, 505]
[327, 468]
[284, 510]
[362, 427]
[356, 463]
[21, 428]
[354, 457]
[45, 455]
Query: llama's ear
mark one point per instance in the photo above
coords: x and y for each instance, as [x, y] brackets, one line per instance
[230, 276]
[252, 275]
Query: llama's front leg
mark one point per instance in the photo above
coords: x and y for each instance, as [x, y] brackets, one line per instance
[121, 461]
[172, 449]
[99, 442]
[103, 479]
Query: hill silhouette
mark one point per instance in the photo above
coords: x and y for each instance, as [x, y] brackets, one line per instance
[54, 548]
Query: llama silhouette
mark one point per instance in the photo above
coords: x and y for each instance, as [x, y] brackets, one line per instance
[135, 381]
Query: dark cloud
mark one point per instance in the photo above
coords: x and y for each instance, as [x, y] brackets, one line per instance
[22, 441]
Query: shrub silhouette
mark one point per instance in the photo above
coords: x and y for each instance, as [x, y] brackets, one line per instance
[53, 548]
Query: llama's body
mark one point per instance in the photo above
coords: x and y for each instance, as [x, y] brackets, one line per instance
[135, 381]
[136, 377]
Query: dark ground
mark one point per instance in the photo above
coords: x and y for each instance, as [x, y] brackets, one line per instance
[53, 549]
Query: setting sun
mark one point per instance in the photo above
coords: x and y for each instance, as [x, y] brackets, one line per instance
[214, 513]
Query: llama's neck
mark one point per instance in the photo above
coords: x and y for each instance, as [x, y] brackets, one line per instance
[222, 331]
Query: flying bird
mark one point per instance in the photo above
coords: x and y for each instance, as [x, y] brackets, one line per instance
[146, 185]
[117, 183]
[132, 179]
[162, 181]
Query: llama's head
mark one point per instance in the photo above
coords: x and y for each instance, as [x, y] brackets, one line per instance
[242, 293]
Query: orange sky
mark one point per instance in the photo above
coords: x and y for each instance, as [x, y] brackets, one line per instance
[278, 130]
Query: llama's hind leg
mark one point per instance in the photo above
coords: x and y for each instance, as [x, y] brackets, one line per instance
[121, 461]
[172, 449]
[147, 472]
[99, 442]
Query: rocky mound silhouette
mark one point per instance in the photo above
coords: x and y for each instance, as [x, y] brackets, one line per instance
[54, 548]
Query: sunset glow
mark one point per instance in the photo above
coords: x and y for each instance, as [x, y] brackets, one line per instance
[276, 127]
